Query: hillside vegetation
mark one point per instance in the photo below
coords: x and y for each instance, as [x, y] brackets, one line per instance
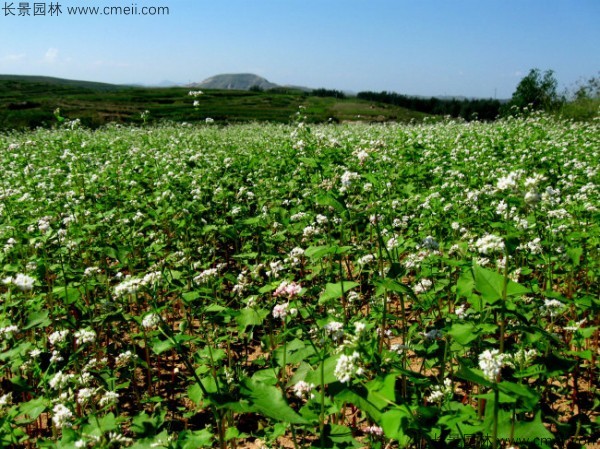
[29, 102]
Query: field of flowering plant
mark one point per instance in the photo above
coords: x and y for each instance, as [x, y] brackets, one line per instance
[258, 286]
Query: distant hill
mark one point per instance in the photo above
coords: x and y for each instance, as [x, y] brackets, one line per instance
[235, 81]
[49, 80]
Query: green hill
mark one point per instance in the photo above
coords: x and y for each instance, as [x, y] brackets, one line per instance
[28, 102]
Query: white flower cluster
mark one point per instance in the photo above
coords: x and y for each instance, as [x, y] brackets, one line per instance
[520, 359]
[508, 182]
[124, 358]
[374, 430]
[288, 289]
[423, 286]
[303, 390]
[57, 337]
[489, 243]
[7, 331]
[60, 380]
[335, 330]
[347, 179]
[108, 398]
[83, 336]
[131, 285]
[490, 362]
[21, 282]
[5, 400]
[551, 307]
[441, 392]
[150, 320]
[347, 367]
[61, 416]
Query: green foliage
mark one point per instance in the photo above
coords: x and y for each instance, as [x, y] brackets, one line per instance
[181, 286]
[537, 91]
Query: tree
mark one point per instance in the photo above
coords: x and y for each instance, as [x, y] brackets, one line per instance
[537, 91]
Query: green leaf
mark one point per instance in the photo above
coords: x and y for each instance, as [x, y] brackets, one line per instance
[528, 397]
[575, 255]
[395, 424]
[189, 297]
[37, 319]
[33, 408]
[250, 317]
[359, 396]
[463, 333]
[196, 439]
[393, 286]
[329, 365]
[329, 200]
[491, 284]
[108, 423]
[296, 352]
[160, 346]
[269, 401]
[336, 291]
[473, 376]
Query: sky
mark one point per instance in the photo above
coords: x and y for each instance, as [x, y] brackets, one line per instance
[475, 48]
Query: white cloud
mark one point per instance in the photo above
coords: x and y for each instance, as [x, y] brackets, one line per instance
[51, 55]
[12, 58]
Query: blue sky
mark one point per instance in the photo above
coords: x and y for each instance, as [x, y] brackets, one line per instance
[476, 48]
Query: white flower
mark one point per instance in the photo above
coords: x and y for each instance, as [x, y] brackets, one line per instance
[520, 359]
[60, 380]
[91, 271]
[57, 337]
[150, 320]
[532, 198]
[348, 177]
[551, 307]
[84, 395]
[430, 243]
[304, 390]
[61, 416]
[507, 182]
[206, 276]
[321, 219]
[374, 430]
[85, 336]
[8, 330]
[489, 243]
[289, 289]
[346, 367]
[21, 281]
[392, 243]
[129, 286]
[124, 358]
[109, 397]
[359, 327]
[281, 310]
[424, 285]
[491, 363]
[365, 260]
[461, 311]
[440, 392]
[5, 400]
[335, 329]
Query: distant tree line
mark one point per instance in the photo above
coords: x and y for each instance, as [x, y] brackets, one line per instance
[327, 93]
[481, 109]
